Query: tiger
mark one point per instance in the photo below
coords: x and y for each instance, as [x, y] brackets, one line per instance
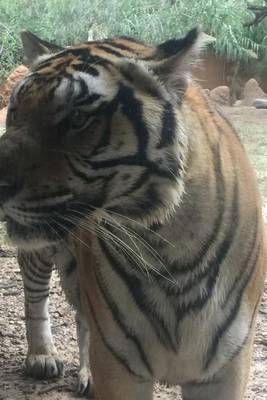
[115, 158]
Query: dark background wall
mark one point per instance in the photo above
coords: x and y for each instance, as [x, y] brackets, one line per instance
[215, 71]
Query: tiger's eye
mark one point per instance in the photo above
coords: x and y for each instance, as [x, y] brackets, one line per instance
[78, 119]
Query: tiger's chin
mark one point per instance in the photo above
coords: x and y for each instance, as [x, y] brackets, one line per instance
[31, 237]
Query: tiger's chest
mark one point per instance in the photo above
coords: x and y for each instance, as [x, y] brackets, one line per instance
[162, 330]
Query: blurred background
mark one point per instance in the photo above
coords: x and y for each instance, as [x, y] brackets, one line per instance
[239, 27]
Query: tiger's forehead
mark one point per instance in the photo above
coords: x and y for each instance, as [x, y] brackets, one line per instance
[65, 73]
[104, 53]
[40, 92]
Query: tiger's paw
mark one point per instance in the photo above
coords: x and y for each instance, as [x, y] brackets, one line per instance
[43, 366]
[85, 383]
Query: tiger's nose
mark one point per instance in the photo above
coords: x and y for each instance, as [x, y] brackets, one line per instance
[7, 190]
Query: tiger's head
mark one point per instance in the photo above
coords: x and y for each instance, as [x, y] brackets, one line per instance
[92, 129]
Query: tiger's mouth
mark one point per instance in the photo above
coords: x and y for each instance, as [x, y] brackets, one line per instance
[33, 230]
[36, 235]
[38, 221]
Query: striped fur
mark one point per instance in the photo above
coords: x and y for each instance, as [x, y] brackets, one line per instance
[134, 172]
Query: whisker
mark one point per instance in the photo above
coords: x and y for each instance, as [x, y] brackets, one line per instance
[91, 207]
[148, 247]
[138, 257]
[54, 230]
[118, 226]
[71, 233]
[102, 234]
[128, 251]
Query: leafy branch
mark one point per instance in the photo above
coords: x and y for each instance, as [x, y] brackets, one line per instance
[260, 13]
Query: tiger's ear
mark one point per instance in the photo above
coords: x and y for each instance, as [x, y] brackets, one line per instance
[173, 60]
[34, 47]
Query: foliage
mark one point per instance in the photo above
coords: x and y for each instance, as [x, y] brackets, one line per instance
[151, 20]
[260, 13]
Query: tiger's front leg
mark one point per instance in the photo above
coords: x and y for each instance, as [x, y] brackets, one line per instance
[42, 359]
[84, 382]
[67, 269]
[112, 381]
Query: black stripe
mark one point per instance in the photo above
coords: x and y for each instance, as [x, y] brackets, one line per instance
[136, 160]
[87, 100]
[241, 271]
[26, 261]
[169, 169]
[84, 97]
[35, 300]
[91, 180]
[154, 228]
[134, 285]
[143, 205]
[31, 290]
[109, 50]
[204, 382]
[126, 160]
[178, 269]
[44, 209]
[137, 77]
[217, 259]
[133, 40]
[132, 109]
[220, 331]
[79, 173]
[108, 112]
[82, 86]
[88, 69]
[119, 318]
[121, 46]
[44, 262]
[143, 178]
[37, 318]
[83, 54]
[119, 357]
[31, 275]
[71, 267]
[240, 347]
[41, 229]
[168, 130]
[47, 196]
[213, 267]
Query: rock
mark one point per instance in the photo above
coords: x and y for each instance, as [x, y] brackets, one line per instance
[251, 92]
[221, 95]
[7, 87]
[238, 103]
[260, 103]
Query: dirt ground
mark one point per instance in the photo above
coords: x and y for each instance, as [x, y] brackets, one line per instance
[14, 385]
